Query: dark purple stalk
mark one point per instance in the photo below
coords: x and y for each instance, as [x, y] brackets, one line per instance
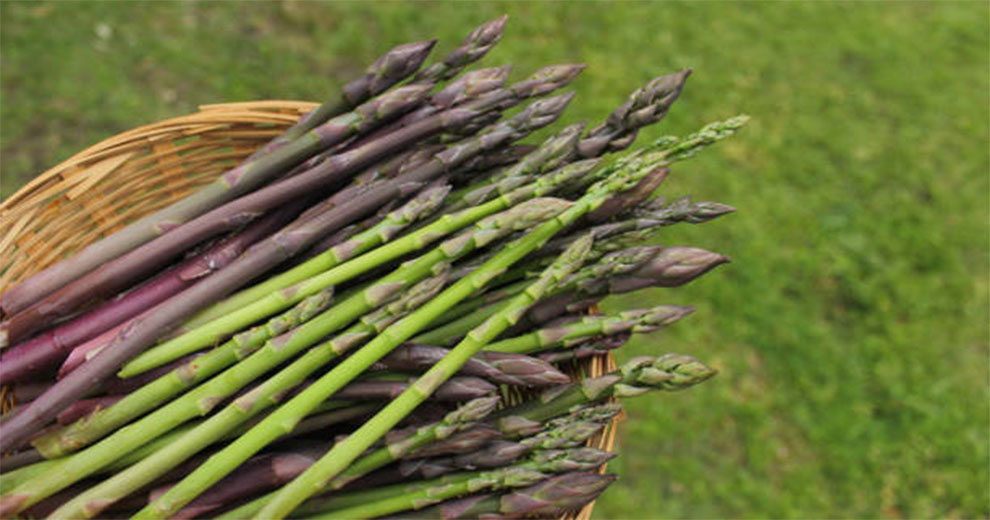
[20, 459]
[85, 407]
[118, 386]
[455, 389]
[254, 477]
[498, 367]
[593, 347]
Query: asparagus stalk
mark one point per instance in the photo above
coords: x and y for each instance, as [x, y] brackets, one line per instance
[462, 388]
[598, 346]
[649, 217]
[123, 270]
[424, 203]
[550, 155]
[474, 46]
[645, 106]
[79, 434]
[466, 89]
[618, 178]
[258, 475]
[384, 501]
[507, 153]
[18, 460]
[641, 320]
[456, 93]
[200, 400]
[507, 369]
[551, 498]
[393, 66]
[496, 454]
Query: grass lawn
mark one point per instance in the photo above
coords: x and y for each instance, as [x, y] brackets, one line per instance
[851, 328]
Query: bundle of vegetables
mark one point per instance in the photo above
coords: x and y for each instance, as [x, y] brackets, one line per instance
[334, 327]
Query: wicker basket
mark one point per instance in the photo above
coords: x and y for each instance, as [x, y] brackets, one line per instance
[120, 179]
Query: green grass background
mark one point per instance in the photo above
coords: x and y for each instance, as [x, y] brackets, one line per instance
[851, 328]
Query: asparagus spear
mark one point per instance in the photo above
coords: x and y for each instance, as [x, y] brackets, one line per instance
[418, 158]
[641, 320]
[456, 93]
[269, 471]
[393, 66]
[508, 369]
[387, 70]
[258, 475]
[462, 388]
[550, 498]
[645, 106]
[551, 154]
[649, 217]
[474, 46]
[388, 500]
[597, 346]
[470, 87]
[536, 115]
[618, 178]
[493, 455]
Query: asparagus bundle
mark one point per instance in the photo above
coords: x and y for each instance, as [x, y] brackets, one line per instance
[425, 260]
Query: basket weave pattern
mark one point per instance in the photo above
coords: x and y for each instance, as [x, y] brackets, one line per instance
[127, 176]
